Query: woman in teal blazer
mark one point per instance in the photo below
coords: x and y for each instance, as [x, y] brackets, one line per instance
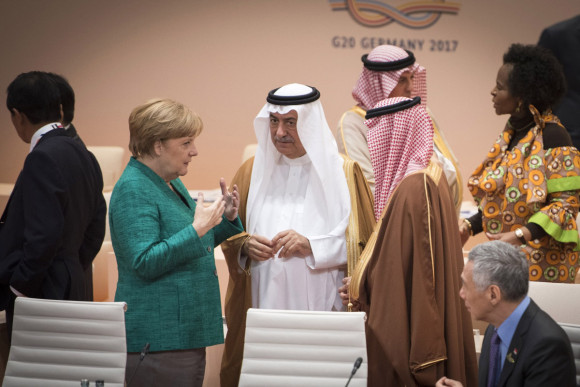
[164, 246]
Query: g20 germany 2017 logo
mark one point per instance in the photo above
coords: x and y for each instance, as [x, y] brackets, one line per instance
[415, 14]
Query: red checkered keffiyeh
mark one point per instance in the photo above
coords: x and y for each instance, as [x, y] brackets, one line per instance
[399, 143]
[374, 86]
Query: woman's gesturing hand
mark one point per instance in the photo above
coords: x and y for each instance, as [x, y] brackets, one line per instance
[205, 218]
[231, 199]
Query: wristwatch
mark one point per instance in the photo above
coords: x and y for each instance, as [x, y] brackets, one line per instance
[520, 234]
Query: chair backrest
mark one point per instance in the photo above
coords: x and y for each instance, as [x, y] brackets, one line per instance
[110, 159]
[249, 151]
[573, 332]
[554, 299]
[298, 348]
[59, 343]
[107, 196]
[105, 274]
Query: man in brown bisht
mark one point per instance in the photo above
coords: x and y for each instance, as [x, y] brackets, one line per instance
[408, 277]
[297, 191]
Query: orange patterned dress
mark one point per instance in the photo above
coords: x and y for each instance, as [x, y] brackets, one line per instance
[530, 184]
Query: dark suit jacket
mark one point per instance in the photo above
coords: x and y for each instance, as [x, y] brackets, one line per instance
[540, 350]
[54, 223]
[563, 39]
[71, 131]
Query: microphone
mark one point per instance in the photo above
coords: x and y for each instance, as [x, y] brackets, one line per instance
[144, 352]
[355, 368]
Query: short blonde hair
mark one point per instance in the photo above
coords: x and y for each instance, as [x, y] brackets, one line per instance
[160, 119]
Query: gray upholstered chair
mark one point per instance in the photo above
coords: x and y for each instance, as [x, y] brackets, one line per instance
[555, 299]
[59, 343]
[111, 160]
[573, 332]
[298, 348]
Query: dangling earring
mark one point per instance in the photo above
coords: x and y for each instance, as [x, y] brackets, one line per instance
[519, 108]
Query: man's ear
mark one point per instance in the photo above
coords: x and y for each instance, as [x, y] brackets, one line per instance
[17, 116]
[494, 294]
[61, 113]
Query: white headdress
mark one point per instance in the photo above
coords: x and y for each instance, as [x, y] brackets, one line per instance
[327, 186]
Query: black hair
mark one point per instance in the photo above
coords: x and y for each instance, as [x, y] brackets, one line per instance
[536, 76]
[67, 98]
[36, 95]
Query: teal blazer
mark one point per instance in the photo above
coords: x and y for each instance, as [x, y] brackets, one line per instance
[167, 273]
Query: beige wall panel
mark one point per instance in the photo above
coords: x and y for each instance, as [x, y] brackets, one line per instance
[222, 57]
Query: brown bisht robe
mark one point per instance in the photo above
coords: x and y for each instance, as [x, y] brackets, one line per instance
[418, 328]
[239, 294]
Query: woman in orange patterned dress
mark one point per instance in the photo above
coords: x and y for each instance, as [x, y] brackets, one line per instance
[527, 187]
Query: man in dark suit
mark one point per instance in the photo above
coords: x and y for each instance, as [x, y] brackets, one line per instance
[522, 345]
[54, 222]
[563, 39]
[67, 100]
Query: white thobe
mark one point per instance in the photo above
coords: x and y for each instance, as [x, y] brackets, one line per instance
[448, 168]
[309, 283]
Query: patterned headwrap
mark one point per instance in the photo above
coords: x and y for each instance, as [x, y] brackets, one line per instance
[400, 143]
[375, 85]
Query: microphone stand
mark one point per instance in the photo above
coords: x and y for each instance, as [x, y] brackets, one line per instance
[349, 378]
[144, 352]
[357, 364]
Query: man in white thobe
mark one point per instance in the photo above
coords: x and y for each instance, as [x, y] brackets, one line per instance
[296, 208]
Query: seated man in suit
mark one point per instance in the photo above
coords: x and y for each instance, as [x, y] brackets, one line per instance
[522, 345]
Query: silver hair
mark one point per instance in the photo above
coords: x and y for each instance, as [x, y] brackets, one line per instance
[499, 263]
